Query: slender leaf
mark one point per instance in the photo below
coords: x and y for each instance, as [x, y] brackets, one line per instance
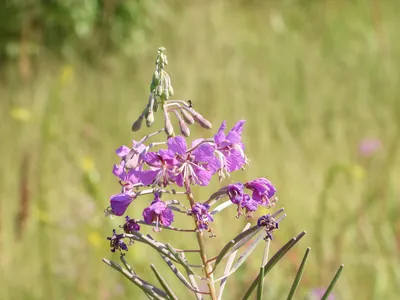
[243, 257]
[237, 242]
[260, 284]
[159, 247]
[263, 263]
[127, 266]
[163, 283]
[179, 274]
[278, 255]
[221, 207]
[192, 280]
[332, 284]
[299, 275]
[142, 284]
[228, 267]
[178, 257]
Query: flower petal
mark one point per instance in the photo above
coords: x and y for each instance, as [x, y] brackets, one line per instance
[119, 203]
[177, 145]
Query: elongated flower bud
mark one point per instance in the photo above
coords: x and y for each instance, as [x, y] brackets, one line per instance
[184, 128]
[169, 130]
[137, 124]
[150, 119]
[187, 117]
[201, 120]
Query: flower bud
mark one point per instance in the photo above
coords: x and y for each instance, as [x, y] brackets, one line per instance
[159, 90]
[150, 119]
[170, 90]
[201, 120]
[184, 128]
[166, 94]
[155, 106]
[137, 124]
[169, 130]
[187, 117]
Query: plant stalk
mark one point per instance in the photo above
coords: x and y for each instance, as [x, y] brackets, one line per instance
[200, 240]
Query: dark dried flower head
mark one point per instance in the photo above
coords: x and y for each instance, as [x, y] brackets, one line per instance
[130, 225]
[269, 223]
[116, 242]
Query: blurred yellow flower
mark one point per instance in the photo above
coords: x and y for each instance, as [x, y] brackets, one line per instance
[87, 164]
[21, 114]
[66, 75]
[358, 172]
[95, 239]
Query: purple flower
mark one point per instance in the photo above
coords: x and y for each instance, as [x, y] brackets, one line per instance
[235, 192]
[229, 148]
[122, 151]
[317, 294]
[130, 225]
[269, 223]
[367, 147]
[196, 166]
[161, 170]
[263, 191]
[120, 202]
[158, 212]
[242, 200]
[116, 242]
[203, 217]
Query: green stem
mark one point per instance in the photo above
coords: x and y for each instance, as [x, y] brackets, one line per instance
[200, 240]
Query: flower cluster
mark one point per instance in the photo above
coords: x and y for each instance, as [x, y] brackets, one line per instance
[177, 164]
[152, 168]
[263, 193]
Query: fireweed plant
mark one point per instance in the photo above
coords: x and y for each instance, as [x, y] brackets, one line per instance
[169, 168]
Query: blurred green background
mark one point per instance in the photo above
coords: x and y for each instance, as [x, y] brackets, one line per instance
[313, 79]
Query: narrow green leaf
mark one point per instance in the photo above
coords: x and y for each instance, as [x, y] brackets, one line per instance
[299, 275]
[159, 247]
[228, 267]
[163, 283]
[178, 273]
[260, 284]
[278, 255]
[243, 257]
[192, 280]
[237, 242]
[142, 284]
[333, 282]
[178, 257]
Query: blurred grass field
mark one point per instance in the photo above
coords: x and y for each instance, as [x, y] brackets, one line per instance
[312, 82]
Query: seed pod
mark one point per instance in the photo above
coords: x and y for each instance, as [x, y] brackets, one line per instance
[187, 117]
[137, 124]
[184, 128]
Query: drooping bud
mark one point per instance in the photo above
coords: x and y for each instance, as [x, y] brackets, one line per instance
[150, 119]
[187, 117]
[137, 124]
[200, 119]
[155, 106]
[169, 130]
[170, 90]
[184, 128]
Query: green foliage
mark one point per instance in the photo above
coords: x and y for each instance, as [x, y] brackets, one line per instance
[69, 27]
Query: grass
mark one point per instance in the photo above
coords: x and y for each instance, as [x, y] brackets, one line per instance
[312, 80]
